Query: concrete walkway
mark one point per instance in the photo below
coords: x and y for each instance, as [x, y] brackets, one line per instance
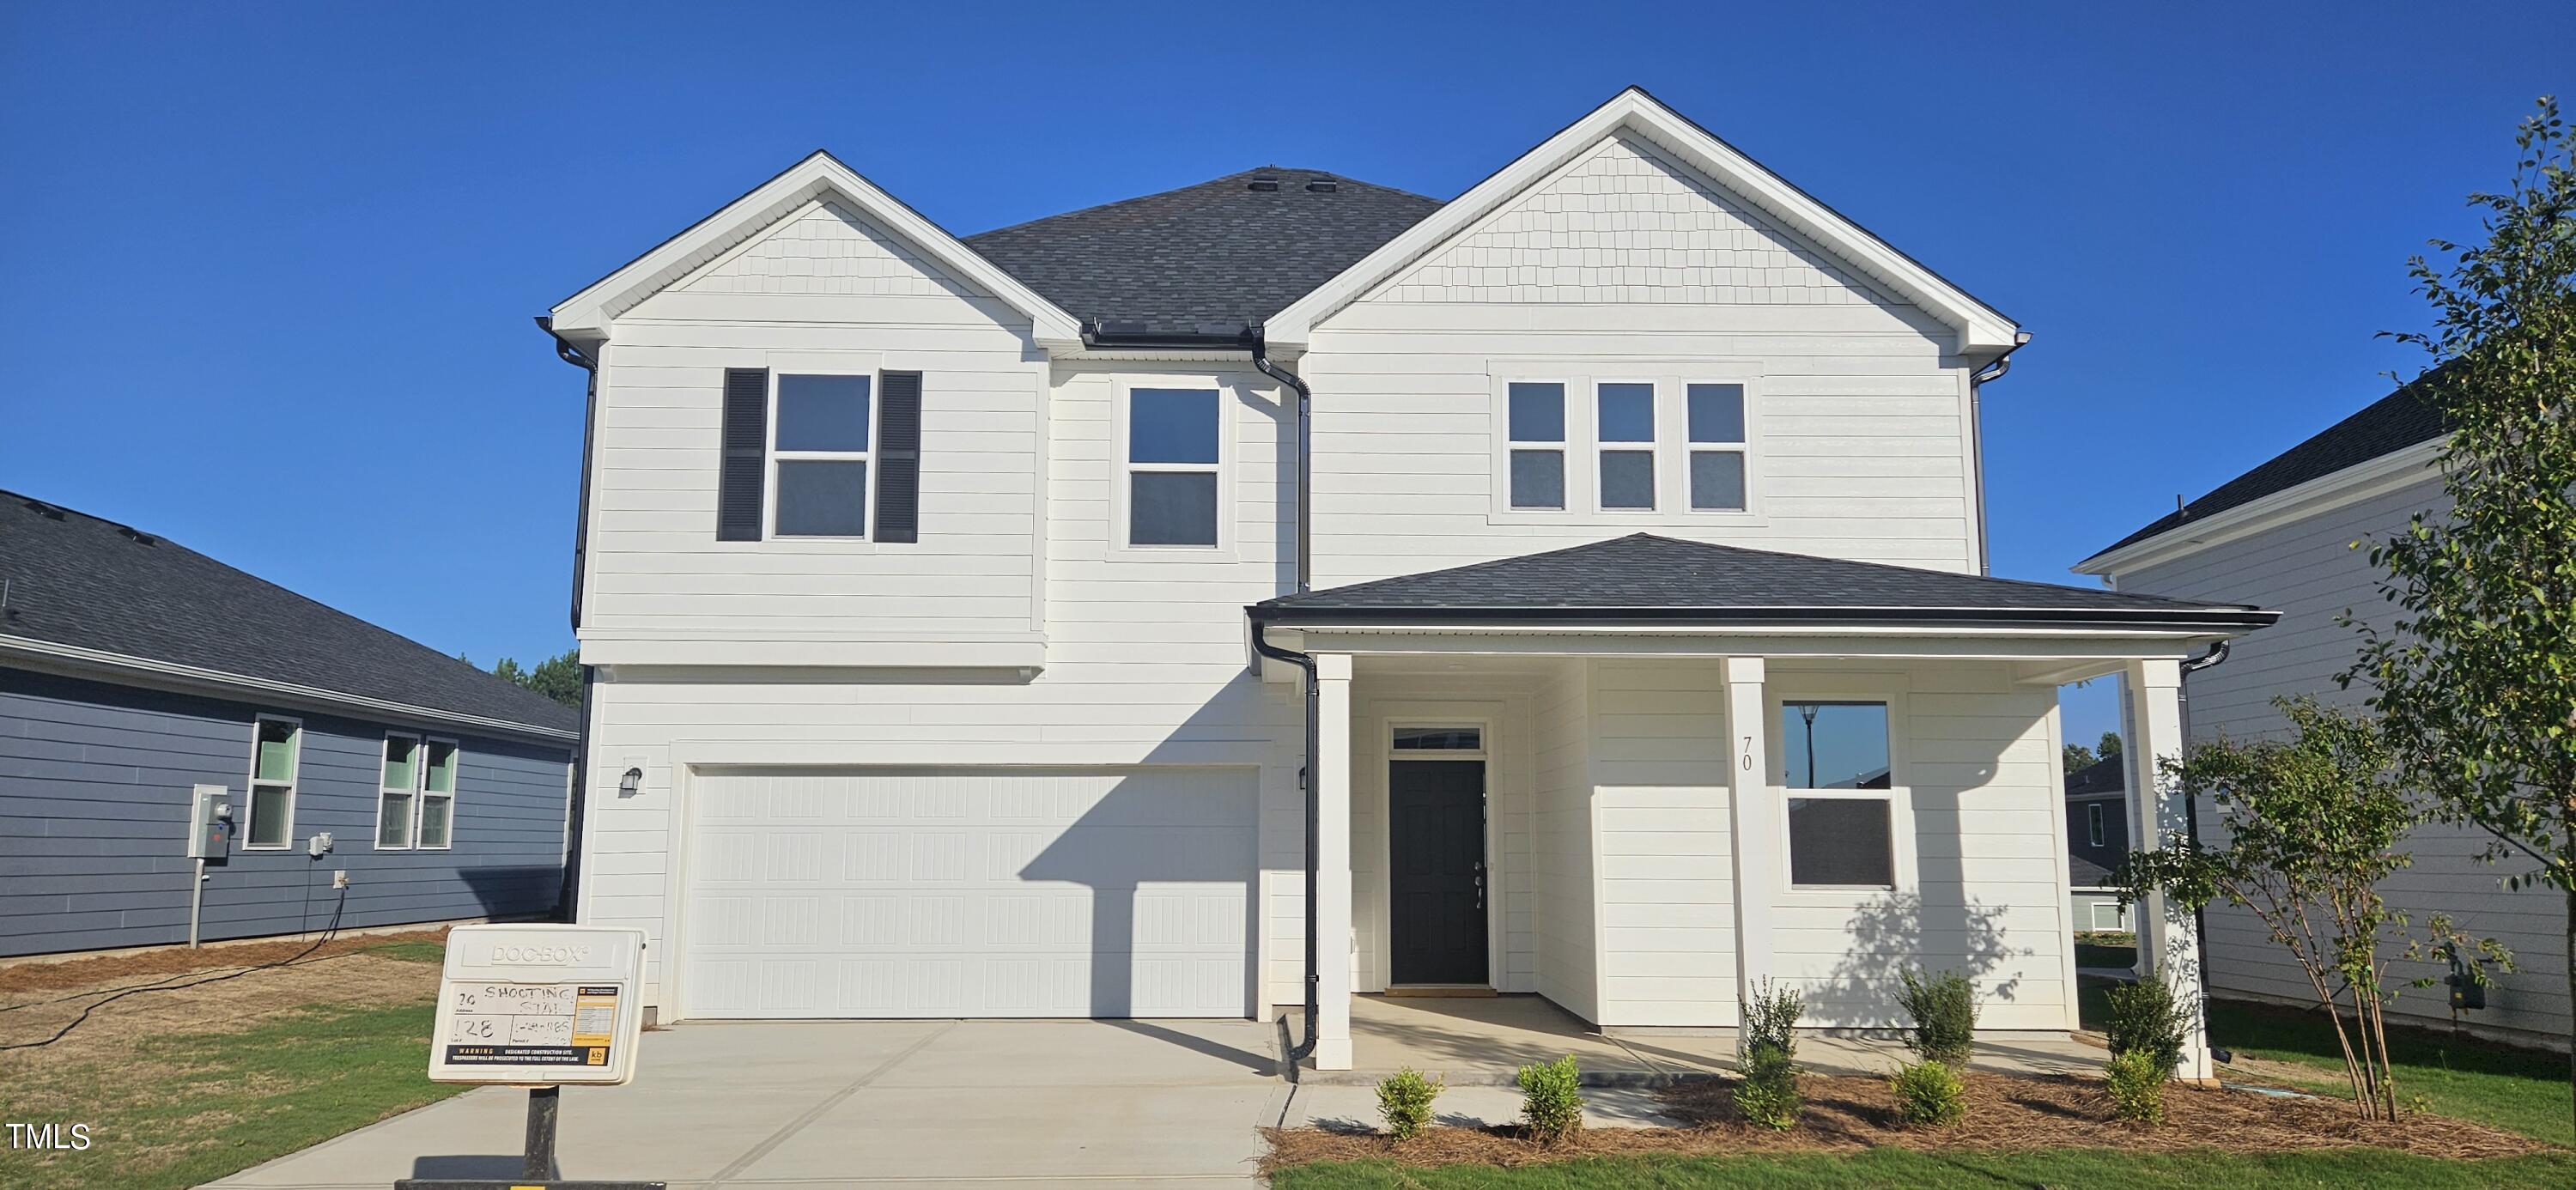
[886, 1105]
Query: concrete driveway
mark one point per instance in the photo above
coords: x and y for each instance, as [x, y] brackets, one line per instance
[880, 1104]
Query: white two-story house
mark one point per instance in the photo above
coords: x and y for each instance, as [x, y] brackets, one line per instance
[968, 615]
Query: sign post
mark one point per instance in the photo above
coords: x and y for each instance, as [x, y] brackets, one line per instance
[541, 1007]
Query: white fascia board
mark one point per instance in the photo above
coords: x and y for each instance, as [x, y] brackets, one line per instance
[1981, 330]
[2358, 482]
[125, 669]
[588, 314]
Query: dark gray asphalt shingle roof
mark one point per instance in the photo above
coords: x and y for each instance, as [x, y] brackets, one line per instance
[1643, 576]
[2388, 425]
[2084, 873]
[2107, 775]
[77, 580]
[1216, 256]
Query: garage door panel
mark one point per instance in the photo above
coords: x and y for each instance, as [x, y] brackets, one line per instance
[970, 893]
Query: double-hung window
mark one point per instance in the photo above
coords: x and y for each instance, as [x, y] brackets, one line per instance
[1175, 457]
[1716, 416]
[416, 799]
[276, 747]
[1536, 412]
[1625, 424]
[1835, 765]
[821, 430]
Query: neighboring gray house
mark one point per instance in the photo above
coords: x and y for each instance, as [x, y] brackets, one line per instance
[2097, 839]
[133, 669]
[2287, 535]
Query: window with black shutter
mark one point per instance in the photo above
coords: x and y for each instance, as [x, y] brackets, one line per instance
[739, 478]
[899, 458]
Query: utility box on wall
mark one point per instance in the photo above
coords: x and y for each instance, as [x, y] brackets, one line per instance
[210, 823]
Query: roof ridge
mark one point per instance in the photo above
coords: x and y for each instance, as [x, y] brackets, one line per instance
[1344, 179]
[1989, 578]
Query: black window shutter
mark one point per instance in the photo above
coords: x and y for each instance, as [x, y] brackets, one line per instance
[899, 458]
[746, 442]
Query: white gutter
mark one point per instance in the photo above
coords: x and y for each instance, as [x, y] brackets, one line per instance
[2362, 480]
[192, 678]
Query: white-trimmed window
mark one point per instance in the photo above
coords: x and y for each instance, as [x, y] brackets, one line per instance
[822, 430]
[1535, 411]
[1624, 424]
[1174, 454]
[277, 745]
[2093, 822]
[397, 791]
[1838, 776]
[1715, 417]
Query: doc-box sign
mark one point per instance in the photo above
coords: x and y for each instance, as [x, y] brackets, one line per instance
[539, 1004]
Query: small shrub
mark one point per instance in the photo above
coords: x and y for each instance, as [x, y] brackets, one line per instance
[1928, 1095]
[1944, 1009]
[1768, 1095]
[2137, 1086]
[1767, 1055]
[1551, 1102]
[2145, 1019]
[1404, 1102]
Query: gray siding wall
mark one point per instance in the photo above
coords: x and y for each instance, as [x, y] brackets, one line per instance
[2310, 572]
[95, 781]
[2115, 830]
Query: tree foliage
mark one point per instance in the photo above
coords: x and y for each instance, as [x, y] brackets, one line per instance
[2476, 676]
[2309, 826]
[557, 677]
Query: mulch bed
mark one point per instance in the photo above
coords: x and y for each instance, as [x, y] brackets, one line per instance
[2005, 1112]
[144, 966]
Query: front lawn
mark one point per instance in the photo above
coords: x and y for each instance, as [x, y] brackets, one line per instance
[2521, 1090]
[2092, 1169]
[180, 1087]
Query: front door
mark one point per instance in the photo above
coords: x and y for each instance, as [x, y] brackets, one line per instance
[1436, 871]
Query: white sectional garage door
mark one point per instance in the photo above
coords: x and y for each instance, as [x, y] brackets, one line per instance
[969, 893]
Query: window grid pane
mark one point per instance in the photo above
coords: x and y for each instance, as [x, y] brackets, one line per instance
[276, 758]
[1537, 412]
[1627, 479]
[268, 805]
[399, 751]
[1439, 738]
[434, 815]
[1834, 745]
[1717, 479]
[1172, 425]
[393, 820]
[823, 413]
[1717, 413]
[1538, 479]
[1171, 508]
[1843, 841]
[822, 498]
[442, 767]
[1627, 412]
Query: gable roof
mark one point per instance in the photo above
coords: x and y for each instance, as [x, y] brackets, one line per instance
[80, 585]
[1214, 258]
[1981, 329]
[2107, 775]
[2386, 426]
[1643, 577]
[2084, 873]
[819, 176]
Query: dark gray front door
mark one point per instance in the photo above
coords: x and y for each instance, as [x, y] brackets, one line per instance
[1436, 871]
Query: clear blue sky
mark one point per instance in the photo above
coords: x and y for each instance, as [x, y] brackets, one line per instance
[267, 270]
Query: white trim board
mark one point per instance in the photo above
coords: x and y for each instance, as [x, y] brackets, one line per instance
[1981, 330]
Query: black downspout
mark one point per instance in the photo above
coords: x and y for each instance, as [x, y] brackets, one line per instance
[1306, 775]
[567, 901]
[2216, 655]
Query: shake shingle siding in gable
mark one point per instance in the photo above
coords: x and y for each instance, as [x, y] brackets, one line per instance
[95, 783]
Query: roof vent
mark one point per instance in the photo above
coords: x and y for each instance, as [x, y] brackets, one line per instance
[1322, 185]
[1264, 183]
[42, 509]
[137, 536]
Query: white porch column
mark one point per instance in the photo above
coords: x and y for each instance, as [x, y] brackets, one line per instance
[1756, 826]
[1332, 780]
[2169, 947]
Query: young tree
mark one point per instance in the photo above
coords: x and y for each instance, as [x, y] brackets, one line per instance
[2077, 756]
[2309, 826]
[2476, 677]
[2110, 745]
[557, 677]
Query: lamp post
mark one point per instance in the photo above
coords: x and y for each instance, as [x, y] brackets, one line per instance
[1807, 711]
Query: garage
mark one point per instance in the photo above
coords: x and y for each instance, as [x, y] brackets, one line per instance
[968, 892]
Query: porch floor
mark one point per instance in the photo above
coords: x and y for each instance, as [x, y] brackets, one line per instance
[1483, 1041]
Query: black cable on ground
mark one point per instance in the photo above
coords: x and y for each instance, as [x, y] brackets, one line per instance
[165, 986]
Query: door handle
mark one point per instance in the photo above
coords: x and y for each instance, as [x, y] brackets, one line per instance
[1480, 884]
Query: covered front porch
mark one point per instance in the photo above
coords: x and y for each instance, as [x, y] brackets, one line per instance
[1635, 816]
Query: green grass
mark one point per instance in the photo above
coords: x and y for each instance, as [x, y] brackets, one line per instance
[412, 952]
[2092, 1169]
[174, 1111]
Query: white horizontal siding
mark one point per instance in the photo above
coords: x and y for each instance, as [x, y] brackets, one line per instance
[2311, 571]
[1667, 918]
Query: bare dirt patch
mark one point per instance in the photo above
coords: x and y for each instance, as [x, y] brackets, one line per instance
[143, 966]
[2005, 1112]
[351, 976]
